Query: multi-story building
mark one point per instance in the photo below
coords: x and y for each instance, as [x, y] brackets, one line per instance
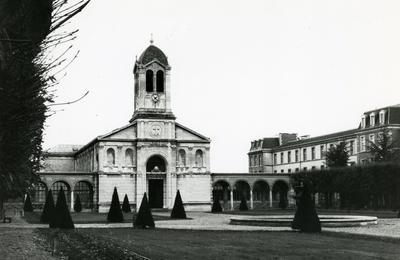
[289, 153]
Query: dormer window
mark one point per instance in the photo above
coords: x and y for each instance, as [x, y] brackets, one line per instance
[372, 119]
[382, 117]
[363, 121]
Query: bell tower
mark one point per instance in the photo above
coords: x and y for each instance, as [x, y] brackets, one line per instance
[152, 85]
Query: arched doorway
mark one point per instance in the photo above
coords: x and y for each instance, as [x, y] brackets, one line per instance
[56, 187]
[156, 169]
[279, 193]
[241, 188]
[85, 191]
[221, 192]
[260, 194]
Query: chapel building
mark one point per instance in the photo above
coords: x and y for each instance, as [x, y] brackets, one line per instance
[152, 154]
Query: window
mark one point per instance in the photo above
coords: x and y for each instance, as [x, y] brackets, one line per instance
[321, 152]
[382, 117]
[40, 193]
[259, 160]
[282, 171]
[351, 147]
[372, 119]
[362, 144]
[289, 155]
[129, 157]
[313, 168]
[289, 170]
[110, 156]
[312, 153]
[182, 158]
[275, 171]
[296, 170]
[199, 158]
[275, 159]
[281, 158]
[149, 81]
[160, 81]
[305, 169]
[296, 156]
[363, 122]
[372, 138]
[305, 154]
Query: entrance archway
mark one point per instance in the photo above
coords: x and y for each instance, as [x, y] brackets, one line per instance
[156, 169]
[156, 164]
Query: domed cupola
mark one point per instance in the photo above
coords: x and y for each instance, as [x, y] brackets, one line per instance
[153, 53]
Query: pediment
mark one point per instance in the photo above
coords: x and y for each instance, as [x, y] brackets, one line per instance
[183, 133]
[125, 132]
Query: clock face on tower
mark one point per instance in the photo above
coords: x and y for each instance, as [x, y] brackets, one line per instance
[155, 98]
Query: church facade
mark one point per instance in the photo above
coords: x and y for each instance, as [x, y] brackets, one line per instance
[152, 154]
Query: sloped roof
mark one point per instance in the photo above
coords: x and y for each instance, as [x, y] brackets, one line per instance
[153, 53]
[64, 149]
[270, 142]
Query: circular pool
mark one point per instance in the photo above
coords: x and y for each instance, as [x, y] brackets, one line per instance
[286, 220]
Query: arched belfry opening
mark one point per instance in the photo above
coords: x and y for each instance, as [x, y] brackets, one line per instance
[149, 81]
[156, 164]
[160, 81]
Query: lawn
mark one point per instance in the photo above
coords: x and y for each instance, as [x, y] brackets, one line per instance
[186, 244]
[86, 217]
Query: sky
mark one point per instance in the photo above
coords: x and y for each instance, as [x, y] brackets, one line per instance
[241, 70]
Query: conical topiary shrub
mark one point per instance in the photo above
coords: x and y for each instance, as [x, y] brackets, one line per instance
[282, 201]
[144, 219]
[28, 204]
[61, 217]
[125, 205]
[243, 204]
[115, 212]
[216, 207]
[48, 209]
[178, 211]
[306, 218]
[77, 204]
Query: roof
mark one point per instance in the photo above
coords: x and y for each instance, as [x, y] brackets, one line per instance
[66, 149]
[270, 142]
[153, 53]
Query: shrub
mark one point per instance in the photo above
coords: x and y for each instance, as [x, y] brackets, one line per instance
[243, 204]
[61, 217]
[283, 201]
[77, 204]
[178, 211]
[48, 209]
[216, 207]
[28, 204]
[144, 219]
[306, 218]
[125, 205]
[115, 212]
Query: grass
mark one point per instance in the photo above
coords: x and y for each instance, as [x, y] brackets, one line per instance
[186, 244]
[86, 217]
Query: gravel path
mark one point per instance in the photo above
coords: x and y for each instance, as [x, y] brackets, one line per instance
[22, 244]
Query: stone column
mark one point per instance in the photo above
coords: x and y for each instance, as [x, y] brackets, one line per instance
[251, 199]
[72, 200]
[270, 198]
[231, 199]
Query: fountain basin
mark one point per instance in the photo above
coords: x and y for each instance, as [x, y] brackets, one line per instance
[286, 220]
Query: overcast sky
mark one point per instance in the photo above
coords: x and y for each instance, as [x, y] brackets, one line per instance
[241, 70]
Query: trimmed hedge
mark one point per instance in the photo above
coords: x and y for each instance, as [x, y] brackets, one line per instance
[28, 204]
[48, 209]
[178, 211]
[115, 213]
[375, 186]
[125, 205]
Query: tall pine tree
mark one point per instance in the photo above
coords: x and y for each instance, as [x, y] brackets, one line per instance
[125, 205]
